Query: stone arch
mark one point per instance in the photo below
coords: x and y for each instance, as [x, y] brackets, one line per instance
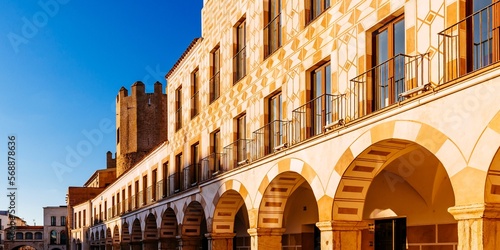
[226, 208]
[150, 228]
[236, 186]
[109, 236]
[116, 235]
[291, 165]
[397, 134]
[193, 217]
[125, 237]
[136, 233]
[18, 245]
[275, 193]
[168, 229]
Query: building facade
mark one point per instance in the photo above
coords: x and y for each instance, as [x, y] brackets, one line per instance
[55, 227]
[302, 124]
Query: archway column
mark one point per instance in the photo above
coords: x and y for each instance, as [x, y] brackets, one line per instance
[220, 241]
[189, 242]
[265, 238]
[167, 243]
[478, 225]
[341, 235]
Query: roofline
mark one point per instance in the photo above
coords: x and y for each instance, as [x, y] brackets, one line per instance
[181, 58]
[95, 174]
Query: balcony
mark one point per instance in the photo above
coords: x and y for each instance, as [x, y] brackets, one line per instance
[386, 84]
[191, 176]
[471, 44]
[271, 138]
[236, 154]
[210, 166]
[318, 115]
[174, 183]
[161, 189]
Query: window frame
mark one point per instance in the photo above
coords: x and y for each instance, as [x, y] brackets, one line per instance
[310, 7]
[195, 90]
[271, 30]
[214, 74]
[239, 58]
[178, 108]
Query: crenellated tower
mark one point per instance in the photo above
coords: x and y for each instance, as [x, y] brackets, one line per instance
[141, 124]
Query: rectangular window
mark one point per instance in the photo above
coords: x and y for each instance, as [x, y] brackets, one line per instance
[195, 164]
[124, 201]
[388, 56]
[154, 180]
[52, 220]
[239, 59]
[214, 74]
[177, 177]
[320, 105]
[84, 218]
[118, 204]
[314, 8]
[272, 29]
[144, 189]
[178, 108]
[63, 220]
[112, 206]
[165, 178]
[136, 200]
[129, 197]
[240, 146]
[106, 210]
[195, 99]
[215, 152]
[277, 126]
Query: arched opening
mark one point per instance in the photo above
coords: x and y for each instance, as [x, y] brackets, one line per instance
[168, 230]
[125, 237]
[150, 239]
[24, 247]
[136, 236]
[109, 239]
[396, 194]
[64, 238]
[102, 239]
[288, 214]
[116, 237]
[38, 236]
[194, 227]
[29, 236]
[230, 222]
[53, 237]
[19, 236]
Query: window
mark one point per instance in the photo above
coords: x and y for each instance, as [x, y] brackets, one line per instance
[52, 220]
[84, 217]
[29, 236]
[388, 56]
[239, 65]
[19, 236]
[178, 167]
[178, 108]
[129, 203]
[321, 87]
[118, 203]
[154, 180]
[136, 200]
[215, 151]
[314, 8]
[276, 129]
[484, 31]
[214, 76]
[165, 178]
[63, 220]
[53, 237]
[105, 210]
[38, 236]
[195, 101]
[272, 29]
[241, 142]
[195, 164]
[64, 238]
[144, 189]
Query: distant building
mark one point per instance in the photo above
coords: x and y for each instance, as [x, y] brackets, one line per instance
[55, 227]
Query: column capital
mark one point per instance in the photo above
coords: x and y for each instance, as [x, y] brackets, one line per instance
[266, 231]
[216, 236]
[341, 225]
[467, 212]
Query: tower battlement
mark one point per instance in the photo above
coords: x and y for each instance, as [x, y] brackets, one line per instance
[141, 123]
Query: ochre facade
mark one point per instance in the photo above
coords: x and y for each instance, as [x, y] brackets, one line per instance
[300, 124]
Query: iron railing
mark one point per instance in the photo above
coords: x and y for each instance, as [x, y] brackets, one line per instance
[191, 176]
[272, 137]
[272, 35]
[386, 84]
[160, 190]
[140, 199]
[471, 44]
[174, 183]
[215, 87]
[236, 154]
[150, 197]
[316, 116]
[119, 209]
[210, 166]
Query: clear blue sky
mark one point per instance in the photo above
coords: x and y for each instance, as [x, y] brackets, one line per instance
[61, 66]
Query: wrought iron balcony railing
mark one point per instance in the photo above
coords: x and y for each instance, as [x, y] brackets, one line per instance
[271, 138]
[236, 154]
[318, 115]
[191, 176]
[471, 44]
[210, 166]
[174, 183]
[386, 84]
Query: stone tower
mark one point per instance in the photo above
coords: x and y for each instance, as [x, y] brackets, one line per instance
[141, 124]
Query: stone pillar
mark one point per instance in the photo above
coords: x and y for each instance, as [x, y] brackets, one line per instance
[150, 244]
[478, 226]
[265, 238]
[220, 241]
[341, 235]
[189, 242]
[167, 243]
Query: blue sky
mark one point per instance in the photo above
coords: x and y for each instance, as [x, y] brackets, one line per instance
[62, 63]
